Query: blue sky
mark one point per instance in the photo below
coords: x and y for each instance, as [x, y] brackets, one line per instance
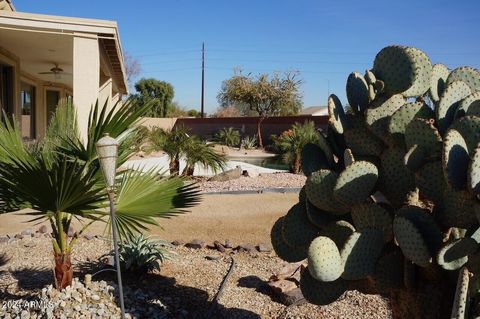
[324, 40]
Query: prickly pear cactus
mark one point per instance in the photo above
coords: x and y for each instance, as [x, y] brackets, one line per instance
[392, 197]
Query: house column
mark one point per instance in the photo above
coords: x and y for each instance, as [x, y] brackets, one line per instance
[86, 77]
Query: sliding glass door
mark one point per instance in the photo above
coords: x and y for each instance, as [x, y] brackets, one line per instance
[27, 98]
[6, 89]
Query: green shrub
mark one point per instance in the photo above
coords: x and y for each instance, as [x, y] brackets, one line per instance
[228, 136]
[249, 142]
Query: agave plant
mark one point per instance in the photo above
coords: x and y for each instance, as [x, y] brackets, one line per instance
[60, 180]
[290, 143]
[200, 152]
[249, 142]
[140, 254]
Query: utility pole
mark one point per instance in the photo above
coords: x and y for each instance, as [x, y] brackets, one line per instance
[202, 111]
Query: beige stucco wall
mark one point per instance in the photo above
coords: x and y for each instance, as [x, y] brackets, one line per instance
[86, 77]
[151, 122]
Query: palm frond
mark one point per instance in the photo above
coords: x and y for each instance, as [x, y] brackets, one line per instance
[142, 197]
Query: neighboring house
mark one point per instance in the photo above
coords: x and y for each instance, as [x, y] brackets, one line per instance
[315, 111]
[46, 58]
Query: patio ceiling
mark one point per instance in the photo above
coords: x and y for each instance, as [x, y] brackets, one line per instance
[38, 52]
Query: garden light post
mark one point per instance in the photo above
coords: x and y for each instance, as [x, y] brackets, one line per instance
[107, 151]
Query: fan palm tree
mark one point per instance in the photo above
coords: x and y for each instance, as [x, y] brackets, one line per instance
[200, 152]
[290, 143]
[60, 180]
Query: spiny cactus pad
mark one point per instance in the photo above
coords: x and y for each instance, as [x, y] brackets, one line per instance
[411, 241]
[473, 177]
[404, 116]
[453, 94]
[379, 112]
[455, 159]
[423, 133]
[356, 183]
[338, 231]
[458, 209]
[319, 292]
[466, 74]
[357, 92]
[363, 142]
[348, 158]
[313, 159]
[370, 215]
[297, 230]
[438, 81]
[370, 77]
[459, 308]
[469, 127]
[431, 182]
[324, 262]
[404, 70]
[281, 248]
[469, 106]
[336, 114]
[454, 254]
[318, 217]
[361, 252]
[319, 187]
[395, 179]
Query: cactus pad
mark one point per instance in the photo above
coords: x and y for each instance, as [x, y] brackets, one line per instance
[318, 217]
[284, 251]
[424, 222]
[404, 70]
[357, 92]
[404, 116]
[411, 241]
[319, 187]
[459, 308]
[423, 133]
[348, 158]
[466, 74]
[469, 127]
[370, 77]
[319, 292]
[297, 230]
[438, 81]
[324, 261]
[313, 159]
[371, 215]
[469, 106]
[395, 179]
[431, 182]
[336, 114]
[454, 254]
[449, 102]
[356, 183]
[455, 159]
[361, 252]
[473, 177]
[379, 112]
[338, 231]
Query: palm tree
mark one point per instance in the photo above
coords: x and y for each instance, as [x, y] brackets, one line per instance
[198, 151]
[60, 180]
[290, 143]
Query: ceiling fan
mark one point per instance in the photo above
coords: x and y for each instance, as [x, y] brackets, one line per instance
[56, 71]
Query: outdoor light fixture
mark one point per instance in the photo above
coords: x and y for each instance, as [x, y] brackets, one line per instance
[107, 151]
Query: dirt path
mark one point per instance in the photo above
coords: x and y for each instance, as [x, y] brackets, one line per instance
[240, 218]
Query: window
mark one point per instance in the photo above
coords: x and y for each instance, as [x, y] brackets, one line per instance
[27, 98]
[6, 89]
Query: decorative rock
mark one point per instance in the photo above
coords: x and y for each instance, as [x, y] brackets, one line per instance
[177, 243]
[227, 175]
[264, 248]
[246, 247]
[4, 239]
[219, 246]
[212, 257]
[196, 244]
[228, 244]
[88, 279]
[27, 232]
[43, 229]
[95, 297]
[18, 236]
[71, 232]
[88, 236]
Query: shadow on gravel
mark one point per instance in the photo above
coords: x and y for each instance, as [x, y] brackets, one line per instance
[256, 283]
[181, 301]
[31, 279]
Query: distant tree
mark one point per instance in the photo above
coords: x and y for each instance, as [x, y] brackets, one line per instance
[266, 95]
[176, 110]
[193, 113]
[229, 111]
[159, 91]
[132, 67]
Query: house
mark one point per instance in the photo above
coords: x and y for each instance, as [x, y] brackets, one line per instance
[315, 111]
[44, 59]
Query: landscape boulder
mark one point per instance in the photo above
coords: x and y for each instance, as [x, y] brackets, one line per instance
[196, 244]
[227, 175]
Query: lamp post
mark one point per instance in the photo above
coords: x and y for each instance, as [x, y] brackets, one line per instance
[107, 151]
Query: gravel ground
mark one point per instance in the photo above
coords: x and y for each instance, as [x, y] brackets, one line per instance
[275, 180]
[186, 284]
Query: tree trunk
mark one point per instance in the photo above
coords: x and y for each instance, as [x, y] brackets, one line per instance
[296, 164]
[259, 131]
[63, 270]
[174, 166]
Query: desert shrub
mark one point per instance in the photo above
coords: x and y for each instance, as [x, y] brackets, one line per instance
[228, 136]
[249, 142]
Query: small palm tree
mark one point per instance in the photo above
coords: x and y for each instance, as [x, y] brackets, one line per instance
[60, 179]
[198, 151]
[290, 143]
